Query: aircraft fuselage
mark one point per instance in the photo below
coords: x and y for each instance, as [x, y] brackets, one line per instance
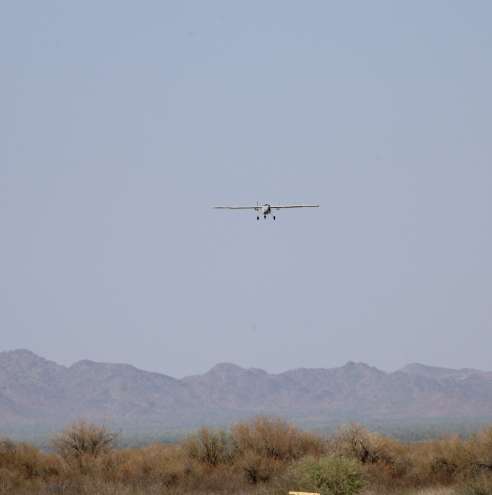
[265, 210]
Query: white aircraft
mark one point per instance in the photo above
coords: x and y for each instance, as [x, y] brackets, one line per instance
[266, 209]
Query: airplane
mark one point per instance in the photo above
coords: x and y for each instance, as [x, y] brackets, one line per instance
[264, 210]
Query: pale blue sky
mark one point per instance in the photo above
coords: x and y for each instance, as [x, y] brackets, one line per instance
[121, 123]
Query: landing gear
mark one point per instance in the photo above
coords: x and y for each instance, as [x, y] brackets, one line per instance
[264, 217]
[257, 218]
[274, 217]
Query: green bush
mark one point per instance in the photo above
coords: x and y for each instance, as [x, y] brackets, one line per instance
[329, 475]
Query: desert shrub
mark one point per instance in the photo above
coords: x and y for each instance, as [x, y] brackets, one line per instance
[8, 480]
[443, 469]
[358, 443]
[83, 442]
[257, 468]
[27, 462]
[329, 475]
[480, 451]
[223, 478]
[274, 439]
[209, 447]
[447, 458]
[34, 464]
[7, 447]
[260, 457]
[163, 464]
[385, 461]
[481, 485]
[7, 453]
[443, 461]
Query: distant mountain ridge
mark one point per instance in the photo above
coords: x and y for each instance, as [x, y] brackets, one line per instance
[35, 392]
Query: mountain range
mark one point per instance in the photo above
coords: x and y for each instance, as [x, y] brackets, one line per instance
[37, 393]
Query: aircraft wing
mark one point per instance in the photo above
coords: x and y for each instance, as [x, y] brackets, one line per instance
[280, 207]
[237, 207]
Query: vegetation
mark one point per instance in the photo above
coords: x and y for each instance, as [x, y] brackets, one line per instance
[83, 441]
[260, 457]
[329, 475]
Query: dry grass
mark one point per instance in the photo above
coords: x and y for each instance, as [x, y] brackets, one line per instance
[263, 456]
[422, 491]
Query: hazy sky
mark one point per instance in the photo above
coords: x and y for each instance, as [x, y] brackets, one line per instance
[121, 123]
